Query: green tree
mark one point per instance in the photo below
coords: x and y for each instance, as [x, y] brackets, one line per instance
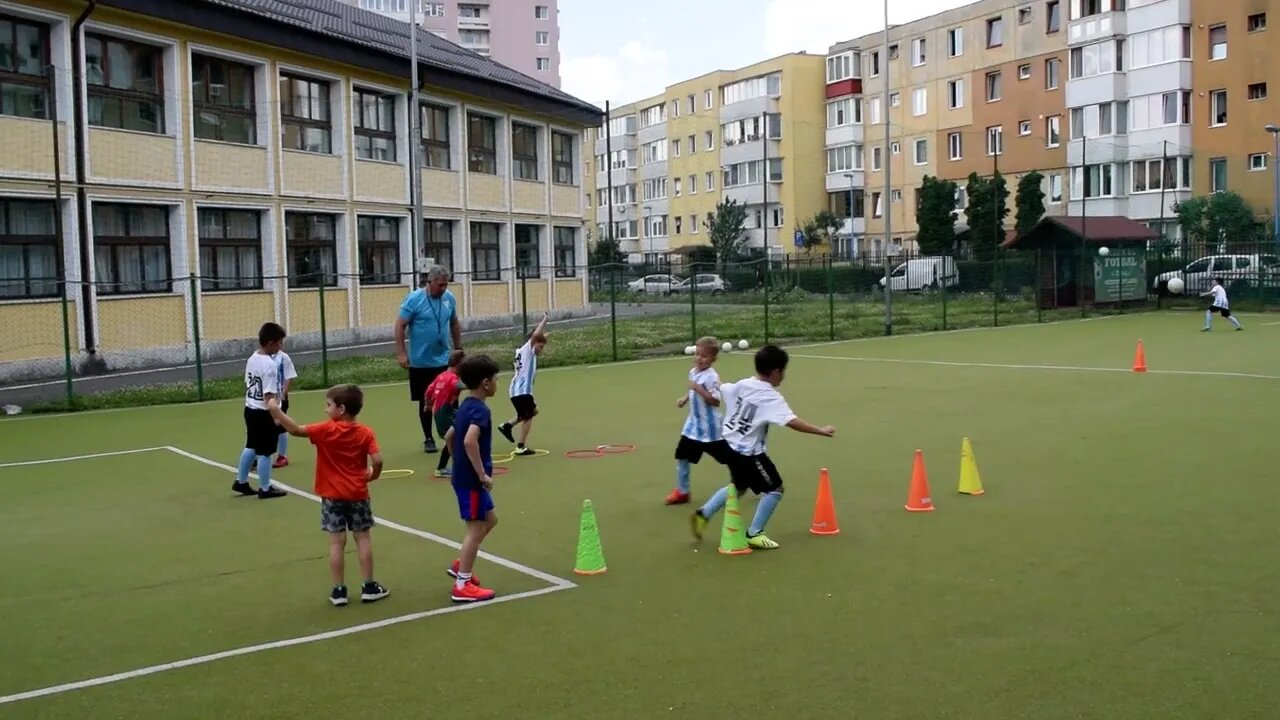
[936, 216]
[725, 228]
[1029, 201]
[606, 251]
[988, 207]
[1218, 219]
[817, 230]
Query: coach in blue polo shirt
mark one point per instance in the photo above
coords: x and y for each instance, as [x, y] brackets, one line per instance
[430, 315]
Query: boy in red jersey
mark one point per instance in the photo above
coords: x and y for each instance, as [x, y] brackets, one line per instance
[442, 399]
[347, 460]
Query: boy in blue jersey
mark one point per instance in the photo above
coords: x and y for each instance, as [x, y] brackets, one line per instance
[473, 472]
[521, 389]
[702, 428]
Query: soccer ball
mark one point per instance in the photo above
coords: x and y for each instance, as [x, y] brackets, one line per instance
[1176, 286]
[1104, 251]
[689, 349]
[742, 345]
[727, 347]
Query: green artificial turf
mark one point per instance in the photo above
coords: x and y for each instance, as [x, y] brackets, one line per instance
[1118, 566]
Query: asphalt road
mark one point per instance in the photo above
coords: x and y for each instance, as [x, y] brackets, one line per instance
[24, 394]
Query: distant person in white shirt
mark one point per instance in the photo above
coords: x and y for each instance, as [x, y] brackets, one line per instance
[1220, 304]
[750, 407]
[521, 388]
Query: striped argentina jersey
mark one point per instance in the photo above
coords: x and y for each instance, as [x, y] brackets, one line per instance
[526, 364]
[704, 421]
[750, 407]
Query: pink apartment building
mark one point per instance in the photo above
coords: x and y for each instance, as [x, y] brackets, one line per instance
[521, 34]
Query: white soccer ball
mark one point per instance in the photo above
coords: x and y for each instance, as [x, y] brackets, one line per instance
[689, 349]
[1176, 286]
[727, 346]
[1104, 251]
[743, 345]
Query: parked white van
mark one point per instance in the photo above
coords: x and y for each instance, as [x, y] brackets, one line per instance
[922, 274]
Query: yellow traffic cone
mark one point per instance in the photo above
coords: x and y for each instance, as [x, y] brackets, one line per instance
[970, 481]
[733, 538]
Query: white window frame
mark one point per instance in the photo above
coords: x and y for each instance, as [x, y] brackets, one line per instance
[955, 42]
[1257, 162]
[919, 101]
[955, 146]
[919, 52]
[955, 94]
[919, 149]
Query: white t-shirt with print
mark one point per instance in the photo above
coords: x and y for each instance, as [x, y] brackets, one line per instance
[261, 378]
[750, 407]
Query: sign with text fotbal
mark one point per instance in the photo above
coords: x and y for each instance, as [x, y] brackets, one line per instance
[1120, 276]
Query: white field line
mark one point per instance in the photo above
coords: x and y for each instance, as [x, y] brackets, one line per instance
[579, 368]
[1270, 324]
[1068, 368]
[556, 584]
[80, 457]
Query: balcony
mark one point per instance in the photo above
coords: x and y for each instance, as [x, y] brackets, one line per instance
[621, 176]
[839, 181]
[755, 107]
[748, 150]
[752, 194]
[1104, 88]
[1096, 27]
[473, 23]
[1106, 149]
[844, 135]
[617, 142]
[1158, 15]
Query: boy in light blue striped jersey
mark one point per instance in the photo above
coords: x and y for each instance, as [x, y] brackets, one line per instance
[521, 388]
[701, 432]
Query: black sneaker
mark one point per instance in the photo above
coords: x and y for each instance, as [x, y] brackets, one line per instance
[522, 450]
[271, 492]
[338, 598]
[243, 488]
[372, 592]
[429, 446]
[505, 429]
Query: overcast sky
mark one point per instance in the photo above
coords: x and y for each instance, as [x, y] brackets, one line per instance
[622, 52]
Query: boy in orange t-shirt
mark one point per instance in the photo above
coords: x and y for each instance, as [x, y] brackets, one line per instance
[347, 460]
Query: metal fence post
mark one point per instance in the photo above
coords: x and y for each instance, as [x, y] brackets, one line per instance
[195, 337]
[766, 300]
[693, 302]
[66, 348]
[613, 309]
[1039, 288]
[995, 290]
[831, 300]
[942, 287]
[324, 337]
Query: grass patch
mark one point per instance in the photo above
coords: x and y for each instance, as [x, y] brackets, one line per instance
[791, 321]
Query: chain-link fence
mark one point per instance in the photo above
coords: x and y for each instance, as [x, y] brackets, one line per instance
[185, 339]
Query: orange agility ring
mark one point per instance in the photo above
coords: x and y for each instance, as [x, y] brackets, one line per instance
[500, 470]
[615, 448]
[583, 454]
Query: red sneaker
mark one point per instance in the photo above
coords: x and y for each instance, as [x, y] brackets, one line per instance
[281, 461]
[453, 573]
[471, 592]
[677, 497]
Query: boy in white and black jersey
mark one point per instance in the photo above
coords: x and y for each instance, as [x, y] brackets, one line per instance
[261, 383]
[1220, 304]
[750, 407]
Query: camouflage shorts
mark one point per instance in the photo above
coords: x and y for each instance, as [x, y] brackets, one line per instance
[345, 515]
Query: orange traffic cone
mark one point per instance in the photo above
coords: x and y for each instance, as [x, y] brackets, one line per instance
[1139, 359]
[918, 499]
[824, 510]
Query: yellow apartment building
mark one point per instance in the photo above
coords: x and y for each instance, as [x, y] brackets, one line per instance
[962, 86]
[267, 151]
[749, 134]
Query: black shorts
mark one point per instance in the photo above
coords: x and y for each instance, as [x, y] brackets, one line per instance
[690, 450]
[261, 432]
[755, 473]
[526, 408]
[1220, 310]
[419, 379]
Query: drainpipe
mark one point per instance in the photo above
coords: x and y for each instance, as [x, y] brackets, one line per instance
[77, 123]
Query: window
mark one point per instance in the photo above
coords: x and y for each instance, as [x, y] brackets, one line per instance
[125, 86]
[378, 243]
[1218, 42]
[1053, 16]
[710, 184]
[840, 112]
[1093, 181]
[311, 242]
[775, 217]
[919, 53]
[873, 59]
[486, 263]
[1217, 174]
[693, 184]
[1258, 91]
[893, 52]
[653, 115]
[1052, 73]
[1256, 22]
[689, 105]
[222, 97]
[1024, 15]
[24, 54]
[1024, 71]
[693, 224]
[840, 67]
[895, 147]
[437, 242]
[895, 99]
[993, 86]
[710, 140]
[482, 144]
[708, 100]
[375, 125]
[679, 224]
[954, 145]
[921, 151]
[1257, 161]
[877, 158]
[435, 137]
[131, 248]
[1055, 188]
[919, 101]
[844, 158]
[995, 32]
[544, 64]
[877, 204]
[1024, 128]
[1152, 111]
[751, 88]
[655, 226]
[542, 37]
[1217, 108]
[875, 111]
[1097, 59]
[304, 114]
[524, 151]
[561, 158]
[540, 12]
[1160, 46]
[955, 42]
[30, 251]
[1155, 175]
[1053, 131]
[528, 255]
[566, 252]
[230, 249]
[675, 148]
[955, 93]
[692, 143]
[675, 184]
[995, 140]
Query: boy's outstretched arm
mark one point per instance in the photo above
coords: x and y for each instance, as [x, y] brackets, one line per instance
[375, 469]
[804, 426]
[542, 325]
[284, 421]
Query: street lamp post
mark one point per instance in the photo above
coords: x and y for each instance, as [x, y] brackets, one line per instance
[1275, 187]
[648, 231]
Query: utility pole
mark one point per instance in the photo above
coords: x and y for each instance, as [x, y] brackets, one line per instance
[888, 187]
[415, 137]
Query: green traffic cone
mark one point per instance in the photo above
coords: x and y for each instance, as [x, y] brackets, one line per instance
[733, 539]
[590, 555]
